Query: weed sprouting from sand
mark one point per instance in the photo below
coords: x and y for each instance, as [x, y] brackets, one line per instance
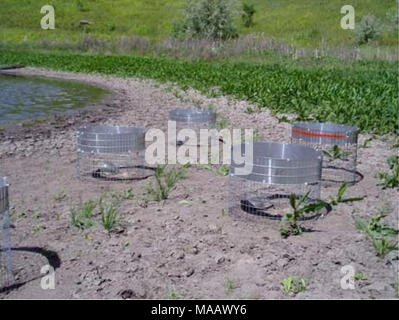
[60, 196]
[390, 180]
[360, 276]
[124, 195]
[335, 153]
[222, 124]
[229, 286]
[82, 217]
[109, 212]
[223, 170]
[294, 285]
[173, 296]
[166, 180]
[379, 234]
[339, 198]
[289, 223]
[300, 206]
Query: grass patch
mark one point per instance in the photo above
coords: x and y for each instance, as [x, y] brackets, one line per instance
[109, 212]
[166, 179]
[304, 23]
[82, 217]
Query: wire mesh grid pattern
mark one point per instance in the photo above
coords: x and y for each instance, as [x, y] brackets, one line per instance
[338, 144]
[278, 171]
[110, 153]
[6, 271]
[194, 119]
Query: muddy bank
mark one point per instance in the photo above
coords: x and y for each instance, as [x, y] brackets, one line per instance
[190, 248]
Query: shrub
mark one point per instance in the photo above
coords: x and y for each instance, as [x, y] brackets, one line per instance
[208, 19]
[368, 29]
[247, 14]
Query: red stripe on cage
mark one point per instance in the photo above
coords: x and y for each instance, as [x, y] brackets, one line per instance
[321, 135]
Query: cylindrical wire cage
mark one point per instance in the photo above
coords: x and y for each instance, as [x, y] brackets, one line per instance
[338, 144]
[6, 270]
[110, 153]
[194, 119]
[278, 171]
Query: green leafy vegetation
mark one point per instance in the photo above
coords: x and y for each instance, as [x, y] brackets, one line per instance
[229, 286]
[304, 23]
[391, 180]
[223, 170]
[293, 285]
[339, 198]
[360, 276]
[60, 196]
[289, 223]
[82, 217]
[166, 179]
[109, 212]
[300, 206]
[363, 94]
[379, 234]
[335, 153]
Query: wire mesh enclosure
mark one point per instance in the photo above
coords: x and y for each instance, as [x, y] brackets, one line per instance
[111, 153]
[338, 144]
[6, 271]
[278, 171]
[194, 119]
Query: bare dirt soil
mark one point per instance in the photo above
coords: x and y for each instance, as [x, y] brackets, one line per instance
[174, 248]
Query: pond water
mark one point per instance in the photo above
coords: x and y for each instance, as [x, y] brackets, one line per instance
[24, 98]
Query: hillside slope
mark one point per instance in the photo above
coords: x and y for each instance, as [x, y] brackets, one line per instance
[303, 23]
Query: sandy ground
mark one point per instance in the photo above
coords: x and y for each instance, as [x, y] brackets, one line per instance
[188, 249]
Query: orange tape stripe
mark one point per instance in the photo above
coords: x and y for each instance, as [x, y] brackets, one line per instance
[322, 135]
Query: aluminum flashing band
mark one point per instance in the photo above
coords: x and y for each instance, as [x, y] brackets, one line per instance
[324, 133]
[192, 116]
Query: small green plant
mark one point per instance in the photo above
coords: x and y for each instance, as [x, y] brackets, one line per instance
[37, 228]
[293, 285]
[60, 196]
[166, 180]
[379, 234]
[360, 276]
[124, 245]
[248, 11]
[109, 212]
[336, 153]
[173, 296]
[222, 123]
[289, 223]
[223, 170]
[374, 228]
[390, 180]
[82, 217]
[339, 198]
[396, 288]
[366, 143]
[124, 195]
[383, 246]
[229, 286]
